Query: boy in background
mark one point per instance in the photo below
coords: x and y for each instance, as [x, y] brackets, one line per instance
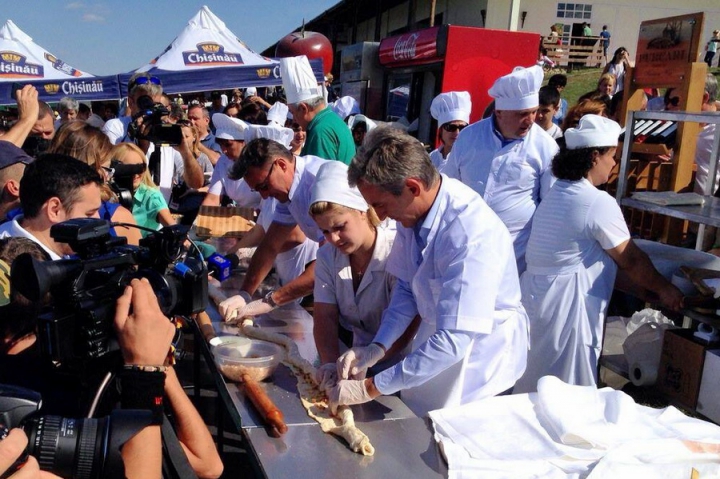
[549, 99]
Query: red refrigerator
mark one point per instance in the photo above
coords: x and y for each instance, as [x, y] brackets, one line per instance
[421, 64]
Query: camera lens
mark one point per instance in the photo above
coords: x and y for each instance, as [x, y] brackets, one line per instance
[69, 447]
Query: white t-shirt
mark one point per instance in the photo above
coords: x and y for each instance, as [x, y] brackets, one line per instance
[237, 190]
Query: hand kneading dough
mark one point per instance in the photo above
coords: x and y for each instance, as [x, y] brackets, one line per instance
[312, 397]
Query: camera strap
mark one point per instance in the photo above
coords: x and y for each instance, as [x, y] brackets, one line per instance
[154, 164]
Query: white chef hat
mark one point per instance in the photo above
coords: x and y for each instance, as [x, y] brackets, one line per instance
[278, 113]
[593, 131]
[369, 124]
[451, 106]
[517, 90]
[250, 91]
[331, 185]
[272, 132]
[346, 106]
[228, 128]
[298, 79]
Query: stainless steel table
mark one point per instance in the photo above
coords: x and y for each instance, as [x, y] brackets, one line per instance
[404, 444]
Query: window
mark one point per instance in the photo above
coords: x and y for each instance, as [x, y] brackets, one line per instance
[574, 10]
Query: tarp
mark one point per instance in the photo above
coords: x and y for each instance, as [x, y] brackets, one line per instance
[206, 56]
[23, 61]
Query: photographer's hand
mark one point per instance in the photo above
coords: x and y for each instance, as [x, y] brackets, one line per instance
[11, 448]
[146, 334]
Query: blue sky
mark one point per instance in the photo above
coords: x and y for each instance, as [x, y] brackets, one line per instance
[105, 38]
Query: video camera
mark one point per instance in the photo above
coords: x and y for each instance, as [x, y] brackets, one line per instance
[120, 180]
[82, 448]
[78, 325]
[152, 114]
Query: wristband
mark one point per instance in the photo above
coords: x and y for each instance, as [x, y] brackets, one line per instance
[143, 390]
[245, 295]
[269, 299]
[146, 369]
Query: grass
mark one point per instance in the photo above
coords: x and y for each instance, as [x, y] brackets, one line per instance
[581, 81]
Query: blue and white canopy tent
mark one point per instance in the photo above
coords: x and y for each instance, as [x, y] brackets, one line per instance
[206, 56]
[23, 61]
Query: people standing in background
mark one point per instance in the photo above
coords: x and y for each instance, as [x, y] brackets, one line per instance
[618, 66]
[452, 112]
[559, 82]
[506, 158]
[587, 31]
[327, 136]
[549, 99]
[605, 34]
[711, 48]
[554, 36]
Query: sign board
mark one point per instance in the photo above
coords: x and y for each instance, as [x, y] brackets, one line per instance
[665, 47]
[415, 48]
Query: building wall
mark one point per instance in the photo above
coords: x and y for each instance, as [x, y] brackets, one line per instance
[623, 17]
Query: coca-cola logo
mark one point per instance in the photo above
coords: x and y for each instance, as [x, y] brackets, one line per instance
[405, 47]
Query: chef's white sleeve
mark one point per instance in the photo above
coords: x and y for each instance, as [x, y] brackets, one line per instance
[442, 350]
[398, 315]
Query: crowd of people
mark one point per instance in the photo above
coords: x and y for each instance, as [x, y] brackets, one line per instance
[453, 275]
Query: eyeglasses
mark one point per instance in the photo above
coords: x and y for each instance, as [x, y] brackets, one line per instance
[145, 81]
[452, 128]
[674, 101]
[264, 184]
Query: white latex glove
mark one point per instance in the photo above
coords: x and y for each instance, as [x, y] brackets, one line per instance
[346, 393]
[254, 308]
[326, 376]
[245, 253]
[355, 361]
[229, 308]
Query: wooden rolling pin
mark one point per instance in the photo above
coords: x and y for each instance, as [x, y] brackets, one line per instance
[269, 412]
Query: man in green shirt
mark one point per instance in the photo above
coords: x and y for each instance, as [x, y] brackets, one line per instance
[328, 136]
[587, 32]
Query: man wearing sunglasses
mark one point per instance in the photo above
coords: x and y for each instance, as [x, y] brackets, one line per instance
[506, 157]
[272, 170]
[177, 163]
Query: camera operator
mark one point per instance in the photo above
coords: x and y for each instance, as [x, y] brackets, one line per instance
[54, 188]
[176, 163]
[11, 448]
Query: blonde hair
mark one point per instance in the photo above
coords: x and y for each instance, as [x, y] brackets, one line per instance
[86, 143]
[196, 137]
[121, 150]
[320, 207]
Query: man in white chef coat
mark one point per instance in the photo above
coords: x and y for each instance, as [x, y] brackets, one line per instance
[456, 269]
[506, 158]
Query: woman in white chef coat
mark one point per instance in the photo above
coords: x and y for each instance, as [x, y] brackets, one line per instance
[452, 112]
[578, 241]
[352, 287]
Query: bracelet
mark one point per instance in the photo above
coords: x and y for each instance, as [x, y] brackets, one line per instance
[145, 369]
[245, 295]
[269, 299]
[143, 390]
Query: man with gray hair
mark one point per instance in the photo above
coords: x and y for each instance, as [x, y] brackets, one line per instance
[177, 163]
[199, 116]
[68, 109]
[327, 135]
[455, 268]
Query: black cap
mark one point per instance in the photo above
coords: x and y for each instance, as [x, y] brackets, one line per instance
[11, 154]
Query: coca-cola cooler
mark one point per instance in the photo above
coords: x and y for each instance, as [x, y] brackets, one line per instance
[361, 77]
[420, 65]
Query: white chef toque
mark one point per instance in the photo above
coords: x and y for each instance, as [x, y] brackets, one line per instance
[518, 90]
[278, 113]
[331, 185]
[298, 80]
[272, 132]
[228, 128]
[346, 106]
[451, 106]
[355, 120]
[593, 131]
